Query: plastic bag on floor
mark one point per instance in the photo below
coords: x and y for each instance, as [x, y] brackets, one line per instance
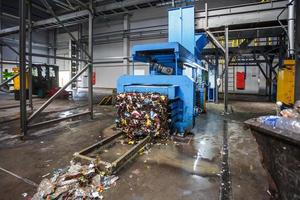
[45, 188]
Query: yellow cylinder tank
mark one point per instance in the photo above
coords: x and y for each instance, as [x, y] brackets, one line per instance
[286, 82]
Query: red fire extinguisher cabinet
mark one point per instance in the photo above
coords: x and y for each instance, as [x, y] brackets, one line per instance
[240, 80]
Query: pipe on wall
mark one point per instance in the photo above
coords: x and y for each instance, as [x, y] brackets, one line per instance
[22, 67]
[291, 27]
[297, 41]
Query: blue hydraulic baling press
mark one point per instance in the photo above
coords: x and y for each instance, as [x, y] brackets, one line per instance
[174, 68]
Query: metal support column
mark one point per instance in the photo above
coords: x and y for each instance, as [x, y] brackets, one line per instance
[206, 17]
[48, 48]
[270, 81]
[297, 45]
[226, 70]
[90, 72]
[81, 54]
[1, 61]
[269, 63]
[79, 37]
[126, 43]
[1, 47]
[281, 55]
[216, 77]
[22, 66]
[291, 28]
[55, 45]
[30, 56]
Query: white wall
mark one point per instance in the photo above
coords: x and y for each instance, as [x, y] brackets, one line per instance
[255, 82]
[39, 39]
[108, 73]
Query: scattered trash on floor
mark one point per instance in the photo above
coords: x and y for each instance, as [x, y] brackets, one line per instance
[45, 175]
[98, 114]
[24, 194]
[75, 182]
[136, 172]
[142, 114]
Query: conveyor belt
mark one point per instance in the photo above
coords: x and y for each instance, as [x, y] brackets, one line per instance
[117, 164]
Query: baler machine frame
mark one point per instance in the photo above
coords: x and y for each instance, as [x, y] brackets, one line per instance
[174, 69]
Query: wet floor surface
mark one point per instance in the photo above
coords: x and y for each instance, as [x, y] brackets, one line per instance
[178, 169]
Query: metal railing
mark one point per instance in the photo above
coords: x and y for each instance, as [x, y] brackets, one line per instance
[26, 122]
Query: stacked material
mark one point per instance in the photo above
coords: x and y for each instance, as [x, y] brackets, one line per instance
[292, 112]
[143, 114]
[75, 182]
[288, 111]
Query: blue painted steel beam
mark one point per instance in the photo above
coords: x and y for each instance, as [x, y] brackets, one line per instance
[166, 54]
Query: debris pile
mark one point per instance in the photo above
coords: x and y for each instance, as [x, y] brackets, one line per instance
[75, 182]
[291, 112]
[142, 114]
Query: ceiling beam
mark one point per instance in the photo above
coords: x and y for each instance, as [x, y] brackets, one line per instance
[39, 7]
[241, 14]
[263, 10]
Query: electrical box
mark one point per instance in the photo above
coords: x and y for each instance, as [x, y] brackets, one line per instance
[286, 82]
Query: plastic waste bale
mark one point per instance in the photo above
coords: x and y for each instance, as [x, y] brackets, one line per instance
[142, 114]
[279, 122]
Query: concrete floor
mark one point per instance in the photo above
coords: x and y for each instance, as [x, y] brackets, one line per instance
[189, 169]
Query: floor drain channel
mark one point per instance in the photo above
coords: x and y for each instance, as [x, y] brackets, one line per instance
[225, 192]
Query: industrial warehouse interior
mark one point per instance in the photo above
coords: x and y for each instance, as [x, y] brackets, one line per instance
[150, 99]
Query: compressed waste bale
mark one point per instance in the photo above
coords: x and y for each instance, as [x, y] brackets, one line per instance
[143, 114]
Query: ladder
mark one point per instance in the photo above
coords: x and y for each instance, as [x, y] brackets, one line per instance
[74, 64]
[231, 79]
